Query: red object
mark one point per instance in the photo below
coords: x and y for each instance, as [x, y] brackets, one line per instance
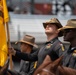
[44, 9]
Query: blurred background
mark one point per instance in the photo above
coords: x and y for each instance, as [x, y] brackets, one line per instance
[27, 17]
[42, 7]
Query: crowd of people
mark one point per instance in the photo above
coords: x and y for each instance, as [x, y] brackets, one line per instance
[32, 59]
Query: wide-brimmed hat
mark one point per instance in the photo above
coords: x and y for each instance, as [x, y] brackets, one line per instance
[56, 22]
[29, 40]
[53, 21]
[71, 24]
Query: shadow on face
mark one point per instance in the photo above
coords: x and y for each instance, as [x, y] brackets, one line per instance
[69, 34]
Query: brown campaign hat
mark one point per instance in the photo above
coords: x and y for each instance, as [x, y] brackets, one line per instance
[29, 40]
[56, 22]
[53, 21]
[71, 24]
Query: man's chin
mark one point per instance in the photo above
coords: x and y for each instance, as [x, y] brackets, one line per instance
[65, 39]
[48, 33]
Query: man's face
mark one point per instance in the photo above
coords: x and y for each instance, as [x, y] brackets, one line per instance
[69, 34]
[51, 29]
[24, 47]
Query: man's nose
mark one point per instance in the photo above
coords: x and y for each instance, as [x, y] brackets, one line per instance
[47, 26]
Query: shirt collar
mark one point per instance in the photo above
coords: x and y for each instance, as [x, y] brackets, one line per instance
[52, 41]
[71, 49]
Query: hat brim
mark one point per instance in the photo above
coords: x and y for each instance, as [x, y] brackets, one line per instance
[65, 27]
[27, 43]
[57, 24]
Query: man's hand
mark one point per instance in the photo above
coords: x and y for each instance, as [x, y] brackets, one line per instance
[12, 51]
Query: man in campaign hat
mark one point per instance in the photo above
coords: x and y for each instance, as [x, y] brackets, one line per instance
[69, 30]
[26, 46]
[52, 47]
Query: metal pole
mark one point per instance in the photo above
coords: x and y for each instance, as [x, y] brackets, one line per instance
[19, 36]
[18, 32]
[56, 12]
[32, 6]
[20, 5]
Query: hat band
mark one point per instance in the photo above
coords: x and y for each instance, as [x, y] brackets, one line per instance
[29, 43]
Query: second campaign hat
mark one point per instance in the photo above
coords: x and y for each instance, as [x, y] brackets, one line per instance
[71, 24]
[29, 40]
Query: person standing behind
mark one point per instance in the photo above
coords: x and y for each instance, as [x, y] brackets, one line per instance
[69, 30]
[26, 46]
[53, 47]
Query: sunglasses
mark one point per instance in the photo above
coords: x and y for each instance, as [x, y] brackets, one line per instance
[21, 43]
[67, 30]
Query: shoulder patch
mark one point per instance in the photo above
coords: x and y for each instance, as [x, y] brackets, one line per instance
[62, 47]
[74, 53]
[35, 64]
[48, 46]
